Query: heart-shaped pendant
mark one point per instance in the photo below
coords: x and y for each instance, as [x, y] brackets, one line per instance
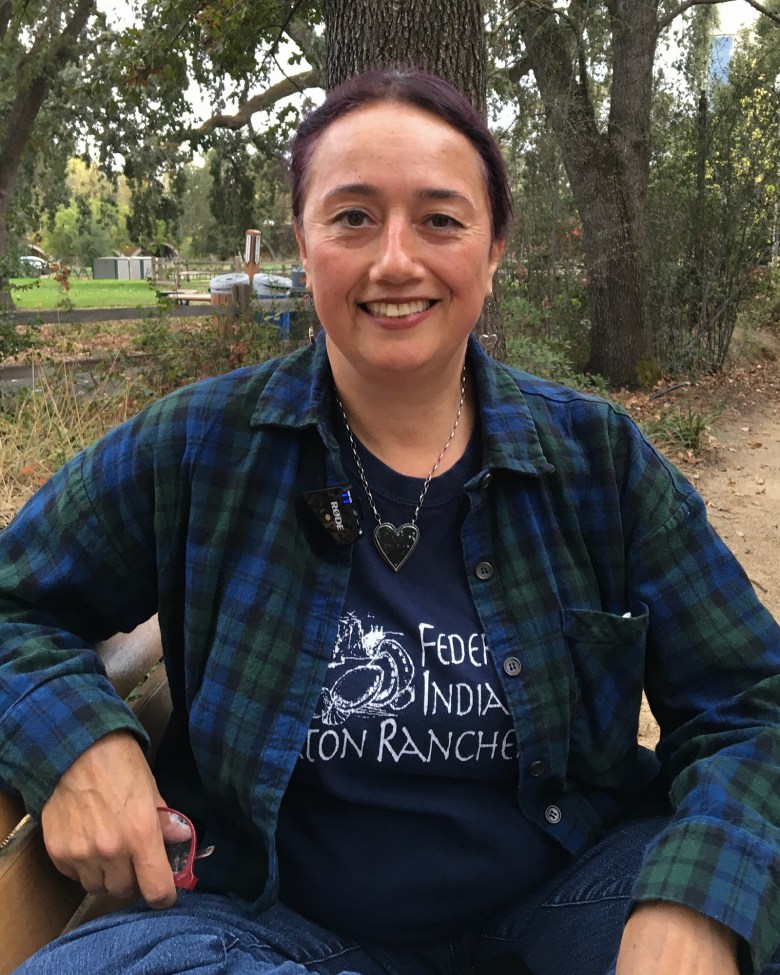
[488, 341]
[395, 545]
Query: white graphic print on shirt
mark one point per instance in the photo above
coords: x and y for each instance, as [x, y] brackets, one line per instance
[430, 699]
[371, 674]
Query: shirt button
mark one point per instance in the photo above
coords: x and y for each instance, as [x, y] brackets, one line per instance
[552, 814]
[484, 570]
[512, 666]
[537, 768]
[485, 480]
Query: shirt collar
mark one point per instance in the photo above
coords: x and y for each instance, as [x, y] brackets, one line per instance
[299, 394]
[299, 391]
[509, 435]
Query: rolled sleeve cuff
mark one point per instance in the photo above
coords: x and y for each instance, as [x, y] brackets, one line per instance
[59, 720]
[721, 872]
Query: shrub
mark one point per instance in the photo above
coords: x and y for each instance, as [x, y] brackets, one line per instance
[550, 360]
[678, 430]
[184, 351]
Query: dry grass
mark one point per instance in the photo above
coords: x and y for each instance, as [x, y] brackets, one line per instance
[42, 428]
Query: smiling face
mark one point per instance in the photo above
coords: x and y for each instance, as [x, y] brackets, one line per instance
[395, 238]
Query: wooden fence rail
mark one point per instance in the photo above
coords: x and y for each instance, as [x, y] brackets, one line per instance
[81, 316]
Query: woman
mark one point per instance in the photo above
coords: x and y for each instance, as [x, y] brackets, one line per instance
[408, 600]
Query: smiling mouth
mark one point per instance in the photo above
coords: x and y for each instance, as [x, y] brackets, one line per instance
[384, 309]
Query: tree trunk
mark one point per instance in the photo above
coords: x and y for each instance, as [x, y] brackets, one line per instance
[45, 59]
[447, 40]
[608, 173]
[364, 34]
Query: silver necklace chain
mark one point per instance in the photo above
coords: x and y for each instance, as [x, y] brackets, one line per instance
[396, 558]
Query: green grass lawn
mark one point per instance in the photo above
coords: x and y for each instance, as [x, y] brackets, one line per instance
[86, 293]
[38, 294]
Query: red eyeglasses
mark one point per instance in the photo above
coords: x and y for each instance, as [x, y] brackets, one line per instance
[181, 846]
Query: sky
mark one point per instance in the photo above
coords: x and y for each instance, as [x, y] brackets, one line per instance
[735, 15]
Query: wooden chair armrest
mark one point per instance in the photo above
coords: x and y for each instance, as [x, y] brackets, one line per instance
[11, 814]
[128, 657]
[36, 902]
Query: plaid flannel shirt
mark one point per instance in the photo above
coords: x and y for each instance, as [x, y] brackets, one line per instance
[192, 510]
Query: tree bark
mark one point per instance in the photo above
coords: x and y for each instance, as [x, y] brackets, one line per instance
[608, 172]
[447, 40]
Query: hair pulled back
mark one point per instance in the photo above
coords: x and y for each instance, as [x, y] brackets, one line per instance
[405, 87]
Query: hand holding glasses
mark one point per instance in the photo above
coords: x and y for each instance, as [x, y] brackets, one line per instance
[181, 846]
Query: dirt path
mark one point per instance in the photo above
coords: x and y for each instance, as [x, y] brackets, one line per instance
[742, 488]
[741, 484]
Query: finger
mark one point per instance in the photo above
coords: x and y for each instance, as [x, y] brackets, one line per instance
[120, 879]
[65, 868]
[70, 858]
[154, 875]
[92, 879]
[175, 828]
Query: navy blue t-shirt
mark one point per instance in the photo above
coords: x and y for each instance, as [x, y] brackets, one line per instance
[401, 822]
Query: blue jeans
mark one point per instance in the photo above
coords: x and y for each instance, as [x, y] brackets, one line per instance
[572, 924]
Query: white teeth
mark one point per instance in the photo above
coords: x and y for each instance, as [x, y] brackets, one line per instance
[384, 310]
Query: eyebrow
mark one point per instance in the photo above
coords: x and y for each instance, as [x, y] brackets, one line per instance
[368, 189]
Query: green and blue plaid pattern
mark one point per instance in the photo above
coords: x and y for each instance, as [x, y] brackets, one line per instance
[192, 510]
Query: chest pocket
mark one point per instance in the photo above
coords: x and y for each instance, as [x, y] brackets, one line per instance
[608, 662]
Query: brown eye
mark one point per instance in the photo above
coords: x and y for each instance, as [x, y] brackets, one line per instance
[352, 218]
[441, 221]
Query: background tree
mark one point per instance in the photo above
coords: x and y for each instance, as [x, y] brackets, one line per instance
[80, 232]
[606, 155]
[714, 192]
[543, 293]
[40, 46]
[198, 222]
[122, 97]
[232, 194]
[91, 223]
[202, 216]
[73, 85]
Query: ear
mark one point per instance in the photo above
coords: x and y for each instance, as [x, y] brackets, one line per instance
[496, 250]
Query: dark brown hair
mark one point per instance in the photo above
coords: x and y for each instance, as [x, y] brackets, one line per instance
[408, 87]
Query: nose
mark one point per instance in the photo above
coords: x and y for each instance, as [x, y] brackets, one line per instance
[398, 258]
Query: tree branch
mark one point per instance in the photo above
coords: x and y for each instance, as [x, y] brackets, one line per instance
[763, 10]
[30, 97]
[5, 17]
[548, 34]
[570, 18]
[665, 21]
[301, 33]
[518, 70]
[285, 28]
[266, 99]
